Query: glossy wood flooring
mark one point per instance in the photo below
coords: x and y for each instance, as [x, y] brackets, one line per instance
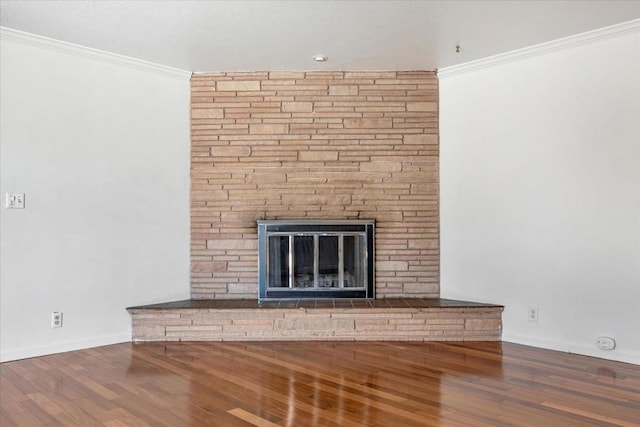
[319, 384]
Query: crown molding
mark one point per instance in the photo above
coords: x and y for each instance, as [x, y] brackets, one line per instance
[90, 53]
[543, 48]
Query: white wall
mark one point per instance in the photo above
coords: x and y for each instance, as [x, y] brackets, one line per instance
[102, 152]
[540, 181]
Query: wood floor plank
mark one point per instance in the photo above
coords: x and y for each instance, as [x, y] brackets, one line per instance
[335, 384]
[596, 417]
[251, 418]
[93, 410]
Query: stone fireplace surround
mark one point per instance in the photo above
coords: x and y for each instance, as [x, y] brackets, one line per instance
[316, 145]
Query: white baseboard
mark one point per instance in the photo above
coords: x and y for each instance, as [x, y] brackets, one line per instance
[616, 355]
[7, 355]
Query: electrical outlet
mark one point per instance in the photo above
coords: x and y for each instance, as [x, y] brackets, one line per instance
[605, 343]
[56, 319]
[14, 201]
[532, 314]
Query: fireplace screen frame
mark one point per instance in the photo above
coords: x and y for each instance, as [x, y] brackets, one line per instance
[365, 229]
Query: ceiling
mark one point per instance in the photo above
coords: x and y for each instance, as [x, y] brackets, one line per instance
[285, 35]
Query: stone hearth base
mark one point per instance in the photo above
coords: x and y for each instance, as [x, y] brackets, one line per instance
[330, 320]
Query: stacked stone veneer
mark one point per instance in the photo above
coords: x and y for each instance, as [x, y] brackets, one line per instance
[326, 145]
[392, 324]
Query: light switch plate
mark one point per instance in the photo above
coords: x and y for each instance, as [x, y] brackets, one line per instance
[14, 201]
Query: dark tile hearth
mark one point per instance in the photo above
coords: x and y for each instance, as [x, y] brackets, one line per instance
[315, 303]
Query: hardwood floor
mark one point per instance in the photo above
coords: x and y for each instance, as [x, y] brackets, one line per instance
[319, 384]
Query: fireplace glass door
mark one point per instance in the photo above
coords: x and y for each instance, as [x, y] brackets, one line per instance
[316, 262]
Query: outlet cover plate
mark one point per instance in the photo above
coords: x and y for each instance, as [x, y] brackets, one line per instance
[56, 319]
[14, 201]
[605, 343]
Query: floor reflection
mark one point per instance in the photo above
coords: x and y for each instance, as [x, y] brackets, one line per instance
[318, 384]
[312, 383]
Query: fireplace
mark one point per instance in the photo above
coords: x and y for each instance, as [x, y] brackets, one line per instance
[316, 259]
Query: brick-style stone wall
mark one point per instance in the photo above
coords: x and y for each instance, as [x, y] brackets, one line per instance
[351, 324]
[316, 145]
